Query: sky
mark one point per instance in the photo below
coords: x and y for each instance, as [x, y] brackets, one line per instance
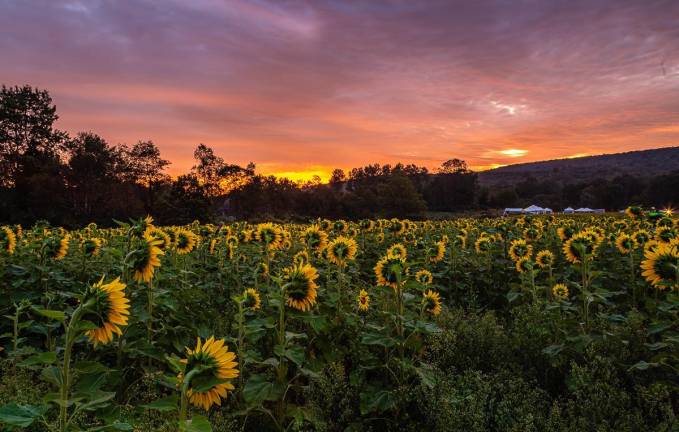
[302, 87]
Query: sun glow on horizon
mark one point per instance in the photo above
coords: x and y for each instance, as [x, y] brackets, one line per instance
[513, 153]
[577, 155]
[303, 176]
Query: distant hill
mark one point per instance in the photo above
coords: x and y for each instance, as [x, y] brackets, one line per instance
[638, 163]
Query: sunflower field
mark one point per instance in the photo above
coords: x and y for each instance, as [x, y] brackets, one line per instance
[535, 323]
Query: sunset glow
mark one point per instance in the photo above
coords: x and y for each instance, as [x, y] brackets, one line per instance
[301, 88]
[513, 152]
[303, 176]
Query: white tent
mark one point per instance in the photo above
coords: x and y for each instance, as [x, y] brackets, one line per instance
[511, 211]
[568, 210]
[536, 210]
[584, 210]
[533, 209]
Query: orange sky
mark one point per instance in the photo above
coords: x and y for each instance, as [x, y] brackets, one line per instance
[303, 87]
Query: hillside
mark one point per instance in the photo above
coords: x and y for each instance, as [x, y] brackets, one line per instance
[639, 163]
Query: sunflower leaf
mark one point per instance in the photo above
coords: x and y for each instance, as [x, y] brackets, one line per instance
[46, 358]
[20, 415]
[377, 401]
[378, 339]
[197, 424]
[295, 354]
[51, 314]
[164, 404]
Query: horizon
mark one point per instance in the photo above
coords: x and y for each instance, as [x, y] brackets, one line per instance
[302, 88]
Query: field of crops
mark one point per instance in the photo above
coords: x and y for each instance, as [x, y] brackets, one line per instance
[519, 324]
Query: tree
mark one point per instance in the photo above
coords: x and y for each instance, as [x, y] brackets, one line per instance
[218, 177]
[337, 176]
[187, 201]
[397, 197]
[143, 166]
[454, 166]
[27, 134]
[91, 175]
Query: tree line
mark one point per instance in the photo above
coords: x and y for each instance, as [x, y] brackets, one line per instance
[46, 174]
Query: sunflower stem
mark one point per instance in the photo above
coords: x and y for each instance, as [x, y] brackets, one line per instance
[149, 322]
[183, 404]
[241, 336]
[281, 370]
[340, 279]
[71, 334]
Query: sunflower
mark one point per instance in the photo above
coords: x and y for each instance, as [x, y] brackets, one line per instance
[424, 277]
[565, 233]
[213, 244]
[301, 257]
[215, 363]
[634, 212]
[380, 237]
[581, 244]
[437, 252]
[389, 270]
[482, 244]
[397, 227]
[139, 227]
[325, 224]
[531, 233]
[641, 237]
[231, 240]
[363, 301]
[57, 247]
[19, 231]
[460, 241]
[659, 266]
[524, 264]
[186, 241]
[145, 258]
[300, 286]
[651, 245]
[109, 311]
[262, 269]
[91, 246]
[315, 238]
[340, 226]
[270, 235]
[245, 236]
[341, 250]
[164, 237]
[397, 251]
[625, 244]
[520, 249]
[8, 240]
[560, 292]
[251, 299]
[367, 224]
[665, 234]
[431, 301]
[230, 251]
[172, 235]
[544, 259]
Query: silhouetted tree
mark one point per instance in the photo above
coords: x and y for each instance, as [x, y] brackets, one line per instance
[91, 174]
[143, 166]
[27, 134]
[454, 166]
